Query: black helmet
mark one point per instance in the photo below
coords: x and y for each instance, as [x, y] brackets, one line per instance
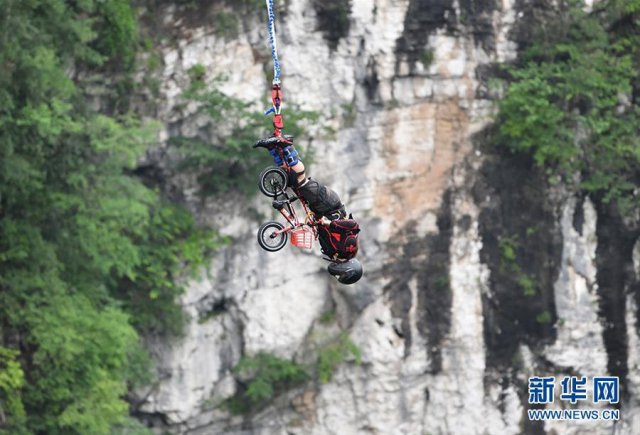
[347, 272]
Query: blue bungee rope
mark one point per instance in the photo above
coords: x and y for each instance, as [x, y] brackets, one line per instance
[272, 41]
[276, 95]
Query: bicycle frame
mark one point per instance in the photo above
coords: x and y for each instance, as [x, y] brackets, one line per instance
[288, 211]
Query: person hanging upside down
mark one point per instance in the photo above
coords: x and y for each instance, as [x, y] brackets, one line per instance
[338, 234]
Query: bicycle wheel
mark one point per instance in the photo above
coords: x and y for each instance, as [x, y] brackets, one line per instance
[268, 240]
[272, 181]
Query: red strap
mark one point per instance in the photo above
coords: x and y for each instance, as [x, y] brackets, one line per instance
[276, 98]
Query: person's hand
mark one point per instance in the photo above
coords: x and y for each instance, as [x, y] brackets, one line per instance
[324, 221]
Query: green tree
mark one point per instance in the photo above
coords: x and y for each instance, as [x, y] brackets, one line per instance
[87, 251]
[268, 375]
[570, 104]
[335, 353]
[11, 382]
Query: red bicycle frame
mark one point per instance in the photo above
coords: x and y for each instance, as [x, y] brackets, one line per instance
[288, 211]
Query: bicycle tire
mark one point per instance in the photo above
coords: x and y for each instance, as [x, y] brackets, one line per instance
[272, 181]
[267, 241]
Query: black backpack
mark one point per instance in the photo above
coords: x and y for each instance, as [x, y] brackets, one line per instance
[340, 238]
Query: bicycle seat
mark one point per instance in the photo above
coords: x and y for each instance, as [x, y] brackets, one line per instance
[279, 204]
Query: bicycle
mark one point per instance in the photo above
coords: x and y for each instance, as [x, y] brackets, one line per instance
[273, 235]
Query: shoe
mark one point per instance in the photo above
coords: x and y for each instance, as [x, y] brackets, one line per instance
[274, 141]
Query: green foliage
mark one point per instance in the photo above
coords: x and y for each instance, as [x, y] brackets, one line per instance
[11, 382]
[426, 57]
[77, 357]
[441, 282]
[334, 354]
[333, 19]
[119, 29]
[90, 32]
[328, 316]
[231, 163]
[130, 426]
[153, 63]
[544, 317]
[496, 86]
[570, 102]
[268, 375]
[227, 25]
[508, 247]
[350, 114]
[171, 242]
[87, 251]
[264, 376]
[252, 5]
[196, 73]
[527, 284]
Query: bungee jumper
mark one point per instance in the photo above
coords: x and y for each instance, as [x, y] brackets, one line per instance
[325, 219]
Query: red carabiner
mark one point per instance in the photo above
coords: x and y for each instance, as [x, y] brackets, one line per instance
[276, 97]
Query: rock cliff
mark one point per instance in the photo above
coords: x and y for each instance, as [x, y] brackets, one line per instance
[447, 331]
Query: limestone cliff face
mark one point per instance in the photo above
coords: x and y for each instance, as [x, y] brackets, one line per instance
[448, 337]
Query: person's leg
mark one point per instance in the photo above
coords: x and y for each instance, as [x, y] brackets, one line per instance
[298, 169]
[292, 159]
[289, 157]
